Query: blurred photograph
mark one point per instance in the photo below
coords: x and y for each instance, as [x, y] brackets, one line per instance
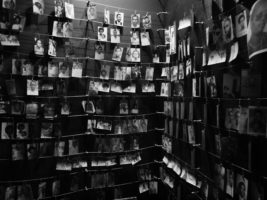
[9, 4]
[241, 24]
[52, 48]
[32, 87]
[117, 54]
[77, 69]
[135, 55]
[67, 29]
[18, 22]
[64, 69]
[257, 121]
[59, 8]
[146, 21]
[57, 29]
[53, 69]
[22, 130]
[118, 18]
[9, 40]
[106, 16]
[135, 21]
[135, 39]
[145, 39]
[69, 10]
[102, 34]
[18, 151]
[105, 72]
[91, 12]
[99, 51]
[115, 35]
[38, 46]
[17, 107]
[7, 130]
[32, 151]
[38, 7]
[227, 29]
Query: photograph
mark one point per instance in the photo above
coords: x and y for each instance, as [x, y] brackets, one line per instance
[9, 4]
[7, 130]
[117, 53]
[230, 182]
[216, 57]
[22, 130]
[104, 125]
[42, 190]
[146, 22]
[257, 121]
[53, 69]
[67, 29]
[256, 33]
[128, 54]
[134, 106]
[77, 69]
[148, 87]
[167, 36]
[136, 72]
[165, 90]
[65, 108]
[9, 40]
[11, 87]
[124, 107]
[105, 72]
[241, 187]
[135, 39]
[234, 51]
[99, 51]
[64, 69]
[102, 34]
[131, 88]
[57, 29]
[126, 73]
[32, 151]
[4, 106]
[59, 8]
[188, 68]
[106, 16]
[231, 85]
[93, 88]
[17, 107]
[52, 48]
[69, 10]
[10, 193]
[18, 151]
[145, 38]
[149, 73]
[168, 56]
[46, 149]
[49, 111]
[155, 58]
[135, 55]
[59, 149]
[91, 11]
[241, 24]
[73, 146]
[18, 22]
[17, 66]
[118, 73]
[38, 46]
[115, 35]
[38, 7]
[118, 18]
[227, 29]
[27, 68]
[242, 126]
[191, 134]
[46, 130]
[31, 110]
[56, 187]
[173, 39]
[212, 87]
[174, 73]
[32, 87]
[88, 107]
[42, 70]
[24, 192]
[116, 87]
[135, 21]
[104, 87]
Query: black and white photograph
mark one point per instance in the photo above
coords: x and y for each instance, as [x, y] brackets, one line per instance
[117, 53]
[9, 40]
[38, 7]
[173, 39]
[77, 69]
[99, 51]
[64, 69]
[18, 23]
[17, 66]
[130, 88]
[11, 87]
[128, 54]
[257, 34]
[42, 190]
[216, 57]
[243, 120]
[257, 121]
[115, 35]
[149, 73]
[31, 110]
[7, 130]
[231, 85]
[178, 89]
[56, 185]
[46, 130]
[106, 16]
[42, 70]
[234, 51]
[52, 47]
[10, 192]
[57, 29]
[93, 88]
[146, 21]
[65, 108]
[32, 151]
[241, 24]
[241, 187]
[135, 38]
[118, 18]
[168, 56]
[69, 10]
[181, 73]
[135, 21]
[88, 107]
[165, 90]
[124, 107]
[24, 192]
[102, 34]
[230, 182]
[155, 58]
[167, 36]
[136, 72]
[9, 4]
[135, 55]
[38, 46]
[53, 69]
[145, 38]
[174, 73]
[27, 68]
[212, 86]
[105, 72]
[59, 149]
[104, 125]
[18, 151]
[17, 107]
[59, 8]
[67, 29]
[126, 73]
[227, 29]
[256, 190]
[118, 73]
[49, 111]
[73, 146]
[116, 87]
[91, 11]
[4, 107]
[32, 87]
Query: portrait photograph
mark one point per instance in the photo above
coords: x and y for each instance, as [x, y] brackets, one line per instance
[59, 8]
[118, 73]
[173, 39]
[126, 73]
[149, 73]
[104, 87]
[99, 51]
[59, 149]
[69, 10]
[88, 107]
[145, 38]
[18, 22]
[64, 69]
[174, 73]
[65, 108]
[167, 36]
[10, 192]
[257, 31]
[32, 87]
[4, 106]
[241, 187]
[22, 131]
[67, 29]
[49, 110]
[216, 57]
[102, 34]
[17, 107]
[211, 86]
[116, 87]
[178, 88]
[118, 18]
[257, 121]
[135, 21]
[38, 46]
[115, 35]
[135, 55]
[130, 88]
[46, 130]
[9, 4]
[42, 190]
[24, 192]
[165, 89]
[38, 7]
[77, 69]
[18, 151]
[53, 69]
[7, 130]
[148, 87]
[155, 58]
[117, 53]
[93, 88]
[9, 40]
[57, 29]
[256, 190]
[136, 72]
[42, 70]
[91, 12]
[124, 107]
[135, 39]
[146, 22]
[128, 54]
[105, 72]
[31, 110]
[32, 151]
[52, 48]
[73, 146]
[241, 24]
[17, 65]
[227, 29]
[106, 16]
[27, 68]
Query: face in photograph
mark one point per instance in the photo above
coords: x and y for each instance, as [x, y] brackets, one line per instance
[22, 130]
[65, 108]
[102, 33]
[135, 55]
[241, 188]
[64, 70]
[145, 40]
[117, 54]
[58, 29]
[118, 18]
[31, 110]
[257, 121]
[7, 130]
[227, 28]
[27, 68]
[257, 31]
[135, 21]
[59, 8]
[16, 66]
[99, 51]
[241, 24]
[67, 29]
[118, 73]
[9, 4]
[69, 9]
[77, 69]
[18, 151]
[38, 47]
[116, 87]
[91, 12]
[17, 107]
[59, 148]
[104, 72]
[32, 151]
[33, 87]
[115, 35]
[38, 7]
[46, 130]
[52, 48]
[146, 21]
[42, 190]
[53, 69]
[106, 16]
[135, 39]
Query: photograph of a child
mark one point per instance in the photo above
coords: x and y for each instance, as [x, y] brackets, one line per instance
[57, 29]
[17, 107]
[117, 54]
[59, 8]
[99, 51]
[69, 10]
[135, 21]
[135, 55]
[91, 11]
[135, 39]
[145, 39]
[64, 69]
[227, 29]
[32, 87]
[146, 21]
[118, 18]
[52, 47]
[104, 72]
[38, 7]
[7, 130]
[38, 46]
[102, 34]
[115, 35]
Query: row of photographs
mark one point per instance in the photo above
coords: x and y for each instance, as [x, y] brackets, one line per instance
[226, 180]
[72, 183]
